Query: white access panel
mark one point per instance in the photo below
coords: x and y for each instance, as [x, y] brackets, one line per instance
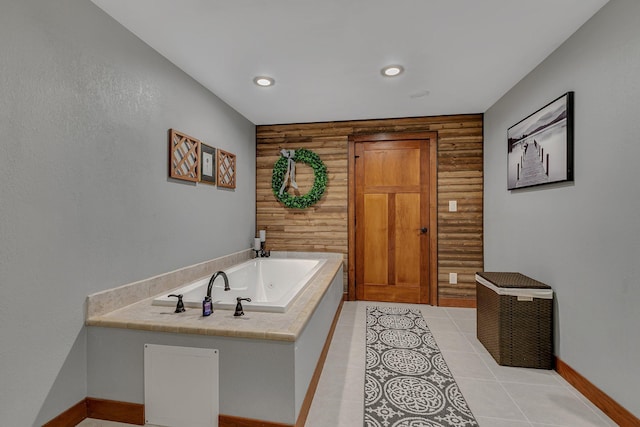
[180, 386]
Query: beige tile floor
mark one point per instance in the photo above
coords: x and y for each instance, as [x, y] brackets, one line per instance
[498, 396]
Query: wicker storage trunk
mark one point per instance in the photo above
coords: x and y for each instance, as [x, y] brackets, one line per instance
[514, 319]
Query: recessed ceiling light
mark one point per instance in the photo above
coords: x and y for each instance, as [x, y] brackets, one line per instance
[392, 70]
[264, 81]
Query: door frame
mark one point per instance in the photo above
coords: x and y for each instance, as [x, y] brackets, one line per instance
[433, 205]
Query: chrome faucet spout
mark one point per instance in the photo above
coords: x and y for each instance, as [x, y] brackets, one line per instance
[214, 277]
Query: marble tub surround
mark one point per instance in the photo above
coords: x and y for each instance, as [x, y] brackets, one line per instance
[109, 300]
[142, 315]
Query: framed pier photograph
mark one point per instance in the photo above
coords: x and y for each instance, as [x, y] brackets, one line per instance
[540, 146]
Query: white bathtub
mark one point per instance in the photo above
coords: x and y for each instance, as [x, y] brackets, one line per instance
[271, 283]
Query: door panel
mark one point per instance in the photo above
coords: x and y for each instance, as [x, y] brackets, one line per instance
[407, 240]
[405, 164]
[376, 234]
[391, 208]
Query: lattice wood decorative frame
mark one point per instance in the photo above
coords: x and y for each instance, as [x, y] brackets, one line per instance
[184, 156]
[226, 169]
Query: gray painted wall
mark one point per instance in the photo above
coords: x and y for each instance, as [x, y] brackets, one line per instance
[85, 202]
[583, 239]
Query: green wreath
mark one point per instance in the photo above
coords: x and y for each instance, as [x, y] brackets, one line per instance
[319, 183]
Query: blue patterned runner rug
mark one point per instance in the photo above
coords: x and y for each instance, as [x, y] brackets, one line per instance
[407, 382]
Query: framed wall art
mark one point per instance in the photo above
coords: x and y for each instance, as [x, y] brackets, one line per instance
[540, 146]
[184, 156]
[207, 164]
[226, 169]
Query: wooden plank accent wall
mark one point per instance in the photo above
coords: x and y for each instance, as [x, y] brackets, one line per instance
[324, 228]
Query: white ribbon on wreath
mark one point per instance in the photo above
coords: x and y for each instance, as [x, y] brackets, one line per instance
[291, 170]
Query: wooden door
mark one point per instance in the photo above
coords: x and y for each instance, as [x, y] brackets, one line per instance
[392, 218]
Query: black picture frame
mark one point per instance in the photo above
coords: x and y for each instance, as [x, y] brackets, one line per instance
[208, 172]
[540, 146]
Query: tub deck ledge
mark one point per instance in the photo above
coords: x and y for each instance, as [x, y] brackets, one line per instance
[142, 315]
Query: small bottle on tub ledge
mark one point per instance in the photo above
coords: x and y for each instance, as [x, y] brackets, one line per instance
[207, 306]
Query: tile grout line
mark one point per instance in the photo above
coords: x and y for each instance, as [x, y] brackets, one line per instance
[496, 380]
[583, 399]
[492, 373]
[501, 385]
[514, 401]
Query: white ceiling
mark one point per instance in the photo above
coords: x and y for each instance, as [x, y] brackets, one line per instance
[460, 56]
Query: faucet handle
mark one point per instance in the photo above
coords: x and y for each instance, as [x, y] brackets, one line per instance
[180, 306]
[239, 309]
